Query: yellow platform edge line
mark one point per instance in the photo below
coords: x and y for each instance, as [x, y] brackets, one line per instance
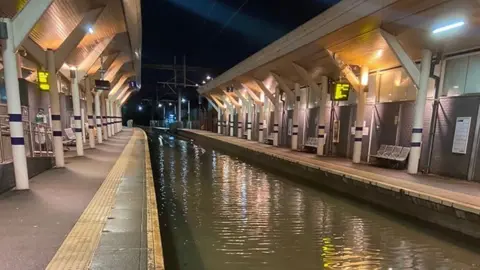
[78, 248]
[155, 250]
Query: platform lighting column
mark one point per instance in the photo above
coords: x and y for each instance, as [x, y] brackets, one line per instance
[14, 110]
[321, 116]
[361, 99]
[55, 111]
[76, 111]
[416, 142]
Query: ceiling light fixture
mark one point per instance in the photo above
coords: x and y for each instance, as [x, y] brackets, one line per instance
[448, 27]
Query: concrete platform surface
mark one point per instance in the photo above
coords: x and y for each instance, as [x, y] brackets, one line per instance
[34, 223]
[456, 193]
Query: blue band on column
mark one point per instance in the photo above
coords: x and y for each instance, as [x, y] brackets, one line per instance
[359, 129]
[76, 117]
[295, 126]
[415, 144]
[18, 141]
[90, 117]
[57, 133]
[99, 125]
[15, 117]
[90, 127]
[56, 117]
[358, 139]
[321, 136]
[321, 127]
[275, 131]
[78, 130]
[275, 125]
[417, 130]
[294, 133]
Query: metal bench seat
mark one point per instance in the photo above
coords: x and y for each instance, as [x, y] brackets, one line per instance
[395, 155]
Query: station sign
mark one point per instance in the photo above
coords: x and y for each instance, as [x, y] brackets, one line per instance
[341, 91]
[42, 78]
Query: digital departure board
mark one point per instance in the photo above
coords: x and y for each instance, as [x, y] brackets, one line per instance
[341, 91]
[43, 81]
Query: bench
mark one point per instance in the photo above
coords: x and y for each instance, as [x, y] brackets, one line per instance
[70, 139]
[394, 155]
[311, 143]
[269, 139]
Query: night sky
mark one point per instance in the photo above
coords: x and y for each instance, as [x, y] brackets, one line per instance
[213, 34]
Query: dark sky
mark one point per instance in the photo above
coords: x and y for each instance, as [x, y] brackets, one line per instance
[214, 34]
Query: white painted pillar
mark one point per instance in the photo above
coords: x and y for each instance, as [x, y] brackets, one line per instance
[91, 124]
[416, 144]
[55, 110]
[14, 110]
[76, 111]
[261, 124]
[230, 120]
[98, 117]
[84, 135]
[240, 121]
[296, 109]
[249, 119]
[276, 117]
[321, 116]
[361, 99]
[108, 115]
[219, 122]
[104, 117]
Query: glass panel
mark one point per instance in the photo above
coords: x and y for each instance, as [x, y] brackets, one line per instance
[455, 73]
[396, 85]
[473, 75]
[313, 98]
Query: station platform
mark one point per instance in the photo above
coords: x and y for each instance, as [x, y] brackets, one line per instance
[99, 212]
[459, 198]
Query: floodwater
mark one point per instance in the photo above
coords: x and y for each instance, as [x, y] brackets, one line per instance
[218, 212]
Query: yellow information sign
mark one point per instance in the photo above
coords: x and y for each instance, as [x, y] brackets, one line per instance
[43, 81]
[341, 91]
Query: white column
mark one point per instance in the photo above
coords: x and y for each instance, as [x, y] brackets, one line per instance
[416, 145]
[219, 122]
[276, 117]
[98, 117]
[361, 98]
[104, 117]
[261, 123]
[76, 112]
[91, 124]
[84, 135]
[240, 116]
[230, 122]
[108, 114]
[189, 122]
[321, 116]
[250, 110]
[296, 109]
[55, 109]
[14, 110]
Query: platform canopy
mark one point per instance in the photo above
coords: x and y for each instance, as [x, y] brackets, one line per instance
[355, 32]
[84, 34]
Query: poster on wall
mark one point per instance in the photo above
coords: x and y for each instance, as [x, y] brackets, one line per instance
[460, 138]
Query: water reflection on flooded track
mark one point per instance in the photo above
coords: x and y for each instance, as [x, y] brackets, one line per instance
[218, 212]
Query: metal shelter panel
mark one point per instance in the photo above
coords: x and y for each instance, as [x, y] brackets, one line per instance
[444, 162]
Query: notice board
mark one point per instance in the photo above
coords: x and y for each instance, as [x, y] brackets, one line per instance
[460, 138]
